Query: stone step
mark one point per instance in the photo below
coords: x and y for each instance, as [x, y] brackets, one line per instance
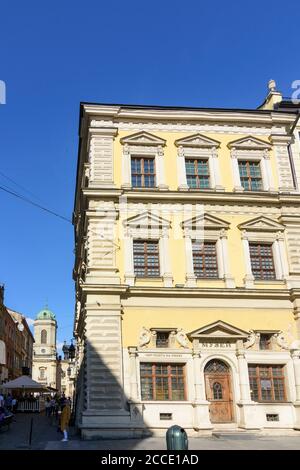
[235, 435]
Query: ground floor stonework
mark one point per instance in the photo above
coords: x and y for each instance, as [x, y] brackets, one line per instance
[217, 376]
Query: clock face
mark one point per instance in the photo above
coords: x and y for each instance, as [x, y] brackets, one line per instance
[20, 326]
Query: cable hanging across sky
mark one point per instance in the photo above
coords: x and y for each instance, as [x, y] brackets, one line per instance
[29, 201]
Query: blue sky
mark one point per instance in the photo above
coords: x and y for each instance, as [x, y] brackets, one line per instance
[55, 54]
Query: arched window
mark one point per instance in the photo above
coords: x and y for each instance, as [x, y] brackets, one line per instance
[216, 366]
[43, 337]
[217, 391]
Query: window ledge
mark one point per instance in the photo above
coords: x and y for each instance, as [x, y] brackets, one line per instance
[273, 402]
[205, 190]
[269, 281]
[166, 402]
[149, 278]
[155, 188]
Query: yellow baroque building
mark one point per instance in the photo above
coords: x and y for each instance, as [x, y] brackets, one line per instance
[187, 270]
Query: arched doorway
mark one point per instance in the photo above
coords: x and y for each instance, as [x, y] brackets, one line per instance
[219, 391]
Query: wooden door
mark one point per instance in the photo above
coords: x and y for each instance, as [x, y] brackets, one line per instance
[218, 393]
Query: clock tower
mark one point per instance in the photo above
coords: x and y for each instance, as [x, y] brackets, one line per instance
[44, 349]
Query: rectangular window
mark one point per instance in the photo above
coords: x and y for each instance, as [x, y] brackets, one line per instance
[162, 339]
[262, 263]
[250, 175]
[265, 341]
[267, 383]
[197, 173]
[146, 258]
[272, 417]
[205, 259]
[162, 381]
[143, 172]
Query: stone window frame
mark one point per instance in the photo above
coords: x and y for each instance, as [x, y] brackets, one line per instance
[198, 146]
[42, 369]
[282, 377]
[143, 144]
[155, 357]
[146, 254]
[251, 149]
[214, 231]
[169, 376]
[258, 231]
[147, 226]
[44, 336]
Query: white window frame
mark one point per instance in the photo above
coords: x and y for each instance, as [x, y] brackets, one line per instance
[251, 149]
[143, 149]
[159, 230]
[202, 233]
[206, 153]
[276, 239]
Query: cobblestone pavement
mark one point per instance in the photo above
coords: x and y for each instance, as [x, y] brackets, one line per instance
[45, 436]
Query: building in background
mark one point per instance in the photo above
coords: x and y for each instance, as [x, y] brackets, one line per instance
[48, 368]
[66, 370]
[24, 342]
[187, 269]
[16, 343]
[44, 352]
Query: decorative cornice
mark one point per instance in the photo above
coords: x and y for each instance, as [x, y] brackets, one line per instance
[103, 131]
[258, 198]
[143, 138]
[278, 139]
[129, 112]
[249, 143]
[197, 141]
[219, 329]
[205, 221]
[147, 220]
[261, 224]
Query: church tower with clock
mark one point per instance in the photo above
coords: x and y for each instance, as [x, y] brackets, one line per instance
[44, 348]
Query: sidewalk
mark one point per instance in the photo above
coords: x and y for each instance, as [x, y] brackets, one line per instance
[46, 437]
[17, 437]
[200, 443]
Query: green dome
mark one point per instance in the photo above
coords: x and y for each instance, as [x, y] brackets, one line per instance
[45, 314]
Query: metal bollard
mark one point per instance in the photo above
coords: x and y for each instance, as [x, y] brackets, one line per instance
[176, 438]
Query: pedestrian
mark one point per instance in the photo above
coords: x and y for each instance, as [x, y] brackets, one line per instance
[48, 407]
[14, 404]
[2, 414]
[8, 402]
[52, 406]
[64, 420]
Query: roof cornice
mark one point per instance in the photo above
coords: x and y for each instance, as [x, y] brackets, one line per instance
[125, 112]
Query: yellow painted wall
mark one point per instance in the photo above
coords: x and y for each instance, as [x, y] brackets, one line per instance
[177, 254]
[170, 156]
[191, 319]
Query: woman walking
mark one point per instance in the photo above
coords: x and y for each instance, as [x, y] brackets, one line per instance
[64, 419]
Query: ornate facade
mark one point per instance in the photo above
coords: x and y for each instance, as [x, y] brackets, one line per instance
[187, 270]
[50, 369]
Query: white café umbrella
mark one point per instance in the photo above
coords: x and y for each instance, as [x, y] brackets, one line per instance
[25, 383]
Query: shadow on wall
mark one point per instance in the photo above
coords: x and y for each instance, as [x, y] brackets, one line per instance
[102, 410]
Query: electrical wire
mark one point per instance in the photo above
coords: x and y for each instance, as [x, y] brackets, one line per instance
[19, 185]
[29, 201]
